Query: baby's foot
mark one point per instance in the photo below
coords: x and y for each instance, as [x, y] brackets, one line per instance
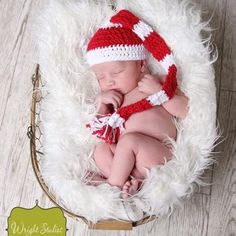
[130, 187]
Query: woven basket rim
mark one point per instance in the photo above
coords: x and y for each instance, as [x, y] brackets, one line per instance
[103, 224]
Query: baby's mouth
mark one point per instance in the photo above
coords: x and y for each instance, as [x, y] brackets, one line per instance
[119, 90]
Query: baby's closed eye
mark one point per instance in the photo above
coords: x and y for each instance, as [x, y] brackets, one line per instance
[117, 72]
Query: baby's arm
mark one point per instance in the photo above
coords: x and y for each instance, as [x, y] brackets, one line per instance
[102, 108]
[176, 106]
[106, 101]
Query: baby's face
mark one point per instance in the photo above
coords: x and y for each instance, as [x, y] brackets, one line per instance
[122, 76]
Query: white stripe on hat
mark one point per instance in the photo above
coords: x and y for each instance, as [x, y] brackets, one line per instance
[116, 53]
[167, 61]
[142, 29]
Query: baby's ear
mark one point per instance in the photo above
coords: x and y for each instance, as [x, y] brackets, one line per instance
[143, 65]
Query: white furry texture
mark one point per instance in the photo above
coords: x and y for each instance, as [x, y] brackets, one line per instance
[63, 29]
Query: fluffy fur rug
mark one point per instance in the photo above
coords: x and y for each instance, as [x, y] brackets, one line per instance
[63, 29]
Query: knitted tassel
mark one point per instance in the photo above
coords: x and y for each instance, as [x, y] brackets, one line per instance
[107, 127]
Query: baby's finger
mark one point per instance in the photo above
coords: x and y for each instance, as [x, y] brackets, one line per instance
[119, 95]
[148, 76]
[145, 80]
[140, 83]
[114, 103]
[118, 100]
[141, 88]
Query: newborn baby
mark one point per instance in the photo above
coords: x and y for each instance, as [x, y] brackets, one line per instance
[136, 142]
[142, 144]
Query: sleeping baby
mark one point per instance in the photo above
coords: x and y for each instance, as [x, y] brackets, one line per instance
[135, 109]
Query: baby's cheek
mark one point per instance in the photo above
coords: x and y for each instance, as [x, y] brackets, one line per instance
[133, 82]
[103, 87]
[132, 86]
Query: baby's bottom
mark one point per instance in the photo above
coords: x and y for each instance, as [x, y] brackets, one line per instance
[133, 152]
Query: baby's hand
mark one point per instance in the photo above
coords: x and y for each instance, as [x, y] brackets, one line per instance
[149, 84]
[112, 97]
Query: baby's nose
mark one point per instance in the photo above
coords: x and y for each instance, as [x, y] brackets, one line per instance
[111, 82]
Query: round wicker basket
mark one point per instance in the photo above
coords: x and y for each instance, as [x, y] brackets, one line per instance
[34, 134]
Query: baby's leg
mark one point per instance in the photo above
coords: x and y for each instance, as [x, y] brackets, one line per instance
[139, 151]
[150, 152]
[103, 156]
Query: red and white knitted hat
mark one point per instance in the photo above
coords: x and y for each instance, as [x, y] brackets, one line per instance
[126, 37]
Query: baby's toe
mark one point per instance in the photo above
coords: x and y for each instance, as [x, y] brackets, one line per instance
[134, 187]
[125, 189]
[126, 185]
[135, 182]
[124, 195]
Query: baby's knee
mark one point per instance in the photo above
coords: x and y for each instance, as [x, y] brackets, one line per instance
[130, 139]
[101, 146]
[100, 149]
[102, 152]
[103, 157]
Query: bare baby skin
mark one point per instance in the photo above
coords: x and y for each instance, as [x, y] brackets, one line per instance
[142, 145]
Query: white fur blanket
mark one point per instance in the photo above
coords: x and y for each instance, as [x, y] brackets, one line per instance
[63, 29]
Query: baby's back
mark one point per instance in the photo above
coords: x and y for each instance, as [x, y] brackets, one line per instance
[155, 122]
